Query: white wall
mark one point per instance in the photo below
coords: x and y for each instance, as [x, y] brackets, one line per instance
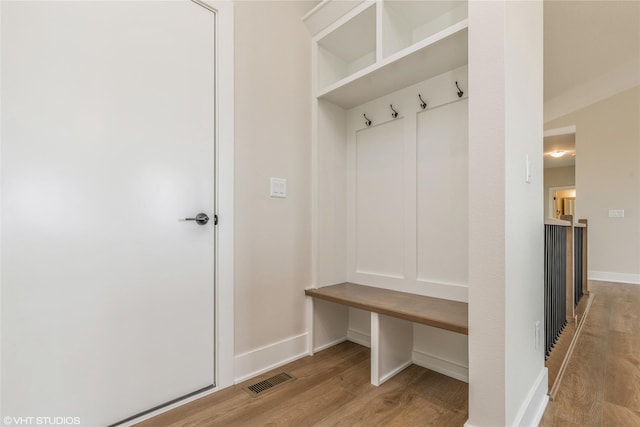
[557, 177]
[608, 177]
[507, 376]
[272, 139]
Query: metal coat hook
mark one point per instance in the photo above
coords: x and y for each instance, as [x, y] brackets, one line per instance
[460, 92]
[394, 114]
[366, 120]
[423, 104]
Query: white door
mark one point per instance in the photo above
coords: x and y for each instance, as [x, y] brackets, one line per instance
[108, 139]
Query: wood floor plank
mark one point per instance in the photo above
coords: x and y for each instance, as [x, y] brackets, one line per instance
[619, 416]
[622, 386]
[379, 403]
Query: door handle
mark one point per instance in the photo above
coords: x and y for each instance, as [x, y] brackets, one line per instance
[200, 219]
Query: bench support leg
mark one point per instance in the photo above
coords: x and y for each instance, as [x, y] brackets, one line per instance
[391, 347]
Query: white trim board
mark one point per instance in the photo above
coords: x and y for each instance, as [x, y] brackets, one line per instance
[359, 338]
[168, 408]
[329, 344]
[225, 189]
[271, 356]
[532, 409]
[443, 366]
[609, 276]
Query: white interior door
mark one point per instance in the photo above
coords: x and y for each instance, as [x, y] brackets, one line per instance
[108, 138]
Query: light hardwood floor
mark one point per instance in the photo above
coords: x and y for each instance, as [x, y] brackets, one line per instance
[601, 386]
[332, 389]
[556, 359]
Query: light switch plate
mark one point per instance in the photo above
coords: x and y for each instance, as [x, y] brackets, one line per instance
[278, 187]
[616, 213]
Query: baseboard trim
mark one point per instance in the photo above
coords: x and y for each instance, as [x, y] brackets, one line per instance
[170, 407]
[329, 344]
[359, 338]
[532, 409]
[608, 276]
[443, 366]
[255, 362]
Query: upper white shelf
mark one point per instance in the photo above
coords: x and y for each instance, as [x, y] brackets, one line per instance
[434, 55]
[349, 48]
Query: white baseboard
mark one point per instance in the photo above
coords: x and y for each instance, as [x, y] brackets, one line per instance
[535, 403]
[608, 276]
[255, 362]
[168, 408]
[532, 409]
[359, 338]
[445, 367]
[329, 344]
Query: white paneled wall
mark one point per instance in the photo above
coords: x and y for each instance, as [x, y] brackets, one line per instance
[441, 196]
[379, 200]
[407, 190]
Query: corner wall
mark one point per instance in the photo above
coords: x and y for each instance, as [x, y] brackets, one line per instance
[507, 377]
[272, 139]
[608, 177]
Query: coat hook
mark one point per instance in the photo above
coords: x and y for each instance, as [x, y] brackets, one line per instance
[460, 92]
[423, 104]
[366, 120]
[395, 113]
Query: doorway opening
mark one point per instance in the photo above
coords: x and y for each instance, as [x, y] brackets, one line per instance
[560, 172]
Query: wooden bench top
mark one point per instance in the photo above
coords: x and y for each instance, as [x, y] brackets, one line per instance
[436, 312]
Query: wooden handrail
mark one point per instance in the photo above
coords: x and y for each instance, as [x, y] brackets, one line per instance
[555, 221]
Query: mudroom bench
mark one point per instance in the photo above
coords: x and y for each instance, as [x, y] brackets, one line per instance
[391, 315]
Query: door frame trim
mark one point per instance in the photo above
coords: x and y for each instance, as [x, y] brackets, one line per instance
[224, 304]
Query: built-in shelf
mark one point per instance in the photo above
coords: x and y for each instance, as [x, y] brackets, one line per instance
[405, 23]
[434, 55]
[348, 49]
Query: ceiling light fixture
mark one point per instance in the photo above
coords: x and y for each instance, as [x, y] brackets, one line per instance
[557, 154]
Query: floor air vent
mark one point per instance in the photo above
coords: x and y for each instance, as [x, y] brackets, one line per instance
[268, 384]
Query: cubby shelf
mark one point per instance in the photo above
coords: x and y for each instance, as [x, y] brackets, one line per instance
[427, 58]
[349, 48]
